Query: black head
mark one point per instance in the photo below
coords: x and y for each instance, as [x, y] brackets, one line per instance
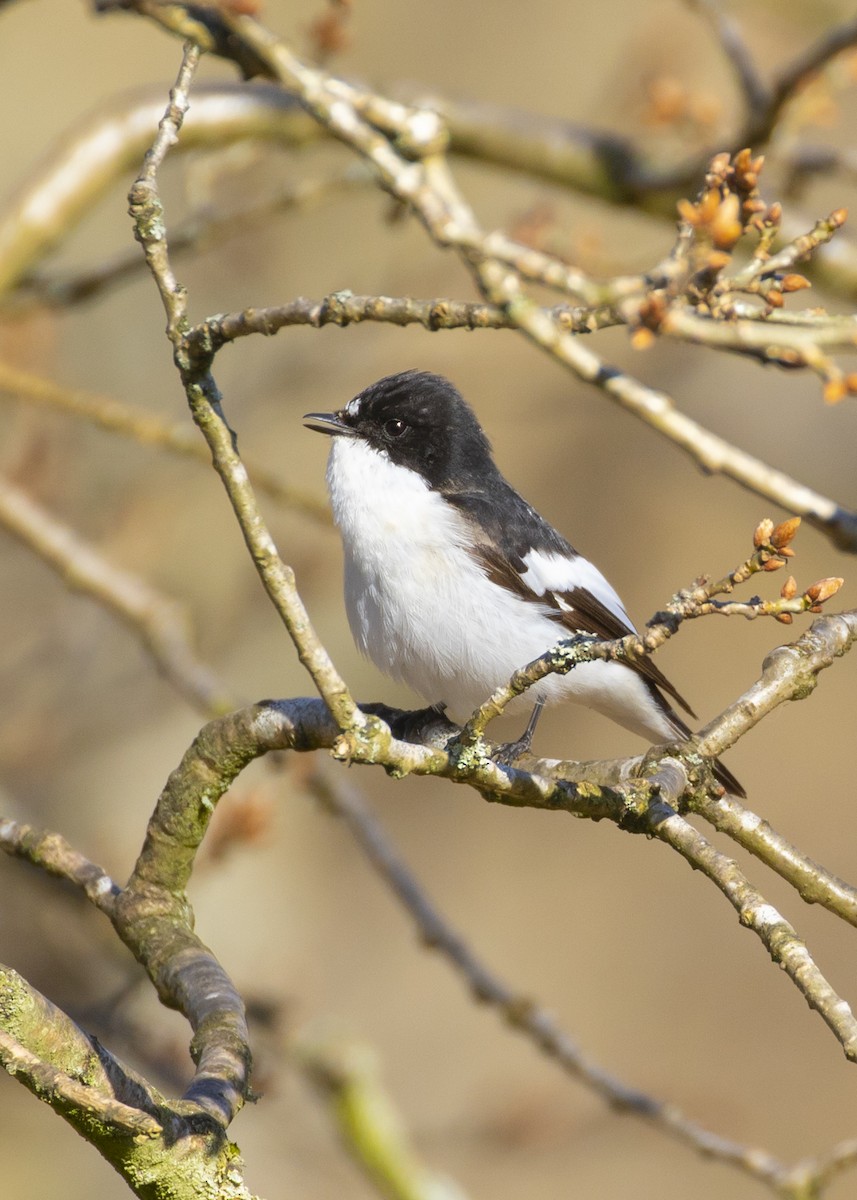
[419, 420]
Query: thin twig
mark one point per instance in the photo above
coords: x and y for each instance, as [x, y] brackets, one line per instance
[810, 880]
[755, 93]
[54, 855]
[521, 1012]
[344, 308]
[756, 913]
[147, 430]
[203, 230]
[159, 622]
[345, 1073]
[788, 673]
[205, 404]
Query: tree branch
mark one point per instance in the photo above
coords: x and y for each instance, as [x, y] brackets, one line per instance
[147, 430]
[158, 622]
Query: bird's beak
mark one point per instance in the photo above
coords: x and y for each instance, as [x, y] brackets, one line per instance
[331, 423]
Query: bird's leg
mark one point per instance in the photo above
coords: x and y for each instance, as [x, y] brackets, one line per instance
[511, 751]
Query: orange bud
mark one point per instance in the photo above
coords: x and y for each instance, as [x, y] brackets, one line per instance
[794, 283]
[717, 260]
[789, 588]
[838, 217]
[834, 390]
[785, 532]
[786, 552]
[725, 226]
[775, 213]
[709, 203]
[642, 339]
[773, 564]
[719, 163]
[824, 589]
[784, 618]
[775, 298]
[687, 212]
[762, 532]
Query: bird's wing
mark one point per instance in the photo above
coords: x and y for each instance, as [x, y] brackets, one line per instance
[519, 550]
[579, 597]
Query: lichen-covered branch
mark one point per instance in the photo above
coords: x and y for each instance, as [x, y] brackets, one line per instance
[68, 1069]
[153, 918]
[134, 1127]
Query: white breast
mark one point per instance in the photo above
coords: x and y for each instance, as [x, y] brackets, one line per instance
[425, 613]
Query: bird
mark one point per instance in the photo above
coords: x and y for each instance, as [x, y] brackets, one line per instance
[453, 581]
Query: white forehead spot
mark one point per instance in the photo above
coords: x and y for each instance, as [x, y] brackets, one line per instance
[352, 408]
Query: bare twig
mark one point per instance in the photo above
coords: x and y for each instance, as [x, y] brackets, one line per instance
[520, 1011]
[204, 399]
[73, 176]
[344, 308]
[756, 913]
[807, 63]
[160, 623]
[772, 550]
[53, 854]
[737, 53]
[227, 113]
[429, 189]
[147, 430]
[203, 230]
[345, 1073]
[810, 880]
[789, 673]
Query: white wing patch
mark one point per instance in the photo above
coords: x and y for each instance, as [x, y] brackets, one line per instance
[559, 573]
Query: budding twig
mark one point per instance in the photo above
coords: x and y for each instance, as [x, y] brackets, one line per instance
[772, 549]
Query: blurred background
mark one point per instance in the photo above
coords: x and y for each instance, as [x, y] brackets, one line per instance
[641, 960]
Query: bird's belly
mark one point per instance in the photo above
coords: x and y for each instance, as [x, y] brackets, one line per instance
[453, 636]
[424, 611]
[444, 629]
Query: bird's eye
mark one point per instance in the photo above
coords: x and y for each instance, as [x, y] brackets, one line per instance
[395, 427]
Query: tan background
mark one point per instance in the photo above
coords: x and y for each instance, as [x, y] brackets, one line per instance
[640, 959]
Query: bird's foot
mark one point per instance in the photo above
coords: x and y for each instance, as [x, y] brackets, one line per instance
[422, 726]
[509, 753]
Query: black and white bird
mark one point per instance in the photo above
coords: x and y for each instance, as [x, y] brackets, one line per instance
[452, 580]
